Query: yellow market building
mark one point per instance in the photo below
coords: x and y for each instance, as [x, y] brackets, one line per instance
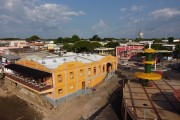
[60, 78]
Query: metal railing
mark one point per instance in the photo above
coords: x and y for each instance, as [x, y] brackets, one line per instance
[38, 87]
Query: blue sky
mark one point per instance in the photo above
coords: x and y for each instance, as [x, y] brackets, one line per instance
[106, 18]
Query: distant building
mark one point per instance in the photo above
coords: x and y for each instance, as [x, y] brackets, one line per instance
[127, 51]
[172, 46]
[145, 42]
[12, 44]
[101, 42]
[8, 59]
[50, 47]
[18, 43]
[36, 45]
[176, 40]
[60, 78]
[104, 51]
[124, 53]
[4, 44]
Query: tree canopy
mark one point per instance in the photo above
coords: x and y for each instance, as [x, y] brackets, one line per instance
[177, 48]
[33, 38]
[10, 38]
[156, 40]
[68, 47]
[95, 38]
[96, 44]
[73, 39]
[170, 39]
[59, 40]
[177, 51]
[112, 44]
[82, 46]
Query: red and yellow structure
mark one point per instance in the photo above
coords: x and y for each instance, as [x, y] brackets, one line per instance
[147, 74]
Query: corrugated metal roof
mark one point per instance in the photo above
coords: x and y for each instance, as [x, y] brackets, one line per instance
[11, 57]
[53, 63]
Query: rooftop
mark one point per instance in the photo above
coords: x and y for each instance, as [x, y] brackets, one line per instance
[158, 100]
[11, 57]
[53, 62]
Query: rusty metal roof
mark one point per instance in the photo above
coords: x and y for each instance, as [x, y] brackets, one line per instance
[159, 98]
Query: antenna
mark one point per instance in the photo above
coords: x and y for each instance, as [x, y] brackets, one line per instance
[137, 23]
[139, 34]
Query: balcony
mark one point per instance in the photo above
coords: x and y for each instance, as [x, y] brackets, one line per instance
[29, 83]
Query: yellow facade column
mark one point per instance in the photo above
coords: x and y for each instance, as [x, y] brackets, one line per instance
[54, 86]
[86, 78]
[77, 75]
[66, 82]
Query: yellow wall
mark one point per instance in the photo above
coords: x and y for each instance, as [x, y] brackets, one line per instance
[33, 65]
[71, 75]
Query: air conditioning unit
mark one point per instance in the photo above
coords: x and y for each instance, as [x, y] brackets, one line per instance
[43, 62]
[54, 60]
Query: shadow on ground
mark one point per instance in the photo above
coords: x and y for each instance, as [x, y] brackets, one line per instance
[166, 101]
[114, 99]
[14, 108]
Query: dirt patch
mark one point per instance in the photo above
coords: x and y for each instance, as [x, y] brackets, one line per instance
[14, 108]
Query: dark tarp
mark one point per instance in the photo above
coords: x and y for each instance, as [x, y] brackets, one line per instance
[30, 72]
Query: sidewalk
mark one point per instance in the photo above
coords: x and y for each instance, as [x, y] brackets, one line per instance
[85, 105]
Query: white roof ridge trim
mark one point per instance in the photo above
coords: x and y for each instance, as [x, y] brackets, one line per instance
[86, 58]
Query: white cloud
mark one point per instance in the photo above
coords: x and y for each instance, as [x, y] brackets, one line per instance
[51, 14]
[100, 25]
[4, 19]
[137, 8]
[32, 15]
[123, 9]
[165, 13]
[121, 18]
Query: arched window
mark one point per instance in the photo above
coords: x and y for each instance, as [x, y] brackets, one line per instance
[103, 68]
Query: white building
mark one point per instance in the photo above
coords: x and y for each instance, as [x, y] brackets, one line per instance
[18, 43]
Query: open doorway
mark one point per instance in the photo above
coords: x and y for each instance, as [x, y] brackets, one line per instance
[108, 67]
[83, 85]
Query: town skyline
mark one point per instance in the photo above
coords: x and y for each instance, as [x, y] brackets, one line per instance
[64, 18]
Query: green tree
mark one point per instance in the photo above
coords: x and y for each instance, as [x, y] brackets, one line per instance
[112, 44]
[82, 46]
[67, 40]
[68, 47]
[177, 51]
[10, 38]
[157, 40]
[95, 38]
[170, 39]
[177, 48]
[59, 40]
[138, 39]
[108, 39]
[96, 44]
[33, 38]
[75, 38]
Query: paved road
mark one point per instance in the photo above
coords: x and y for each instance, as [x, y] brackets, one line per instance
[173, 74]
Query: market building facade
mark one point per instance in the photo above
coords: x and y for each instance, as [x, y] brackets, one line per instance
[60, 78]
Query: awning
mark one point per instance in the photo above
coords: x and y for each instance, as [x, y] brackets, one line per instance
[36, 74]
